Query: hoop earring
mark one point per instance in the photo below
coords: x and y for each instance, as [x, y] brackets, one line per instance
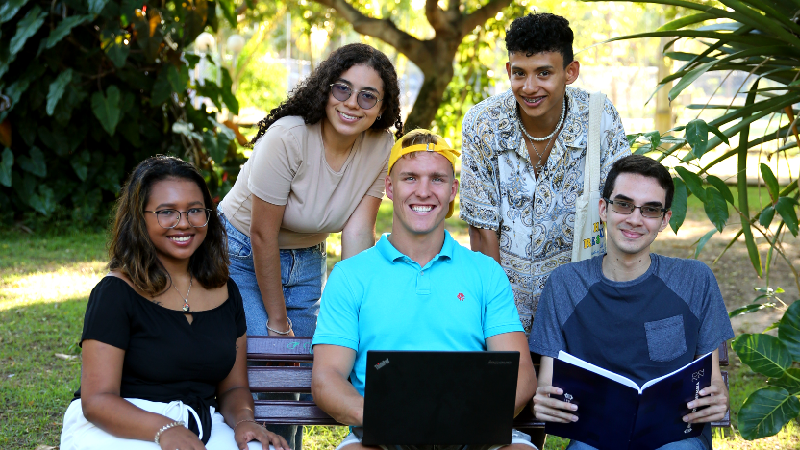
[379, 117]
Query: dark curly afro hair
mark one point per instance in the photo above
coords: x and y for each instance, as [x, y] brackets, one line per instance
[310, 97]
[540, 32]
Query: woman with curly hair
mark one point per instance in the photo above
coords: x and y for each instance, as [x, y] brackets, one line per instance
[164, 337]
[318, 165]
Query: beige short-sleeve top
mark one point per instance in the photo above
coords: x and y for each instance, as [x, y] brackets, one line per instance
[288, 167]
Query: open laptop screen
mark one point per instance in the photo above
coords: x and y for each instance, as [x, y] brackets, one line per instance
[439, 398]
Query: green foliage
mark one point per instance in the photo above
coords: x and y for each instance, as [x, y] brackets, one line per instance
[761, 39]
[769, 409]
[753, 37]
[95, 86]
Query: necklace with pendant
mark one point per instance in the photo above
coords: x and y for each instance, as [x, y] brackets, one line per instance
[185, 299]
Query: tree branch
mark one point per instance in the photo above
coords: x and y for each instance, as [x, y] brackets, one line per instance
[454, 6]
[480, 16]
[383, 29]
[435, 17]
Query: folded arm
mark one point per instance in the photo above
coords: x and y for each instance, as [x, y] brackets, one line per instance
[329, 386]
[526, 376]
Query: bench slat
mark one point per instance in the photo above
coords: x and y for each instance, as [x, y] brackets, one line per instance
[279, 379]
[291, 412]
[284, 349]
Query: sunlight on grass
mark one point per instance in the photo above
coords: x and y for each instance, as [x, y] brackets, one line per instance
[70, 281]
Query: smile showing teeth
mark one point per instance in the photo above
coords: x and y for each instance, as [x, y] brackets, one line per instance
[422, 209]
[180, 238]
[533, 100]
[348, 116]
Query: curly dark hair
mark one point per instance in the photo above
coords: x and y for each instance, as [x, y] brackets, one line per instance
[310, 97]
[130, 249]
[540, 32]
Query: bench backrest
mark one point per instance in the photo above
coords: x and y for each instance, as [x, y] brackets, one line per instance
[290, 371]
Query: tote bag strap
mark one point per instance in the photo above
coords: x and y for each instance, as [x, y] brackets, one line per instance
[591, 177]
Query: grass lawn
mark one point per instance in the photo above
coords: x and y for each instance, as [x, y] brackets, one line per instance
[45, 282]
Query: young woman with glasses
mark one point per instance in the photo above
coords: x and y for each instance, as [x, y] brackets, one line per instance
[164, 337]
[318, 165]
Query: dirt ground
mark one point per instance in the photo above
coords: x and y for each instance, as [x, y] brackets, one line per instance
[735, 274]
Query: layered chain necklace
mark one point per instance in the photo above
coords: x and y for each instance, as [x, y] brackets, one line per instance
[185, 299]
[549, 138]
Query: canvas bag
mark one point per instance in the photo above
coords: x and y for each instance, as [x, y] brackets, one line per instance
[589, 235]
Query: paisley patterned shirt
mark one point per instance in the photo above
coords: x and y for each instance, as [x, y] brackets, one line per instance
[534, 219]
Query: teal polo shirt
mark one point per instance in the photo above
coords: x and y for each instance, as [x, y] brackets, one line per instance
[382, 300]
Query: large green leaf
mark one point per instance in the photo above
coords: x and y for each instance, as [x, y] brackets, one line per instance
[693, 182]
[65, 27]
[678, 206]
[771, 182]
[26, 28]
[789, 330]
[228, 8]
[697, 136]
[161, 88]
[106, 108]
[95, 6]
[765, 219]
[117, 52]
[226, 92]
[80, 163]
[785, 206]
[741, 187]
[5, 167]
[790, 381]
[766, 411]
[9, 8]
[721, 187]
[56, 90]
[686, 20]
[764, 354]
[34, 163]
[702, 243]
[688, 79]
[44, 202]
[716, 208]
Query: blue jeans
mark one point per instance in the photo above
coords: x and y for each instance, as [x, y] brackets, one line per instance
[686, 444]
[303, 275]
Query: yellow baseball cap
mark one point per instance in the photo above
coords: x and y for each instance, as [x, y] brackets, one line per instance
[441, 147]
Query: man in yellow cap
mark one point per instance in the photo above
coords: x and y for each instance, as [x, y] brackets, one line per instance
[416, 289]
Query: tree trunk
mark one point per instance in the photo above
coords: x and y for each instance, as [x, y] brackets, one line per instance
[438, 74]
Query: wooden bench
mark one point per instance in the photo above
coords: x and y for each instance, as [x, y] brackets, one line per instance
[297, 379]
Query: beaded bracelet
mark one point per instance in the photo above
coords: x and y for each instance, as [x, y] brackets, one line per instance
[166, 427]
[282, 333]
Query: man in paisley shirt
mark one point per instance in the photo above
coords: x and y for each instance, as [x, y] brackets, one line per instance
[523, 158]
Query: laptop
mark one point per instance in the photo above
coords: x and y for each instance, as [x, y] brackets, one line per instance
[439, 398]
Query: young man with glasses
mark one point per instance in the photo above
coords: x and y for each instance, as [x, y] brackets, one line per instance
[524, 156]
[665, 311]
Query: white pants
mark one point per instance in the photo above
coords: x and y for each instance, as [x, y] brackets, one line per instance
[80, 434]
[517, 437]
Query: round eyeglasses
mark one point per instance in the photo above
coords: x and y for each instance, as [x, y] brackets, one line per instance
[170, 218]
[623, 207]
[366, 99]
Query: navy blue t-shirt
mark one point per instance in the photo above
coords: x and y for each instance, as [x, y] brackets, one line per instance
[641, 329]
